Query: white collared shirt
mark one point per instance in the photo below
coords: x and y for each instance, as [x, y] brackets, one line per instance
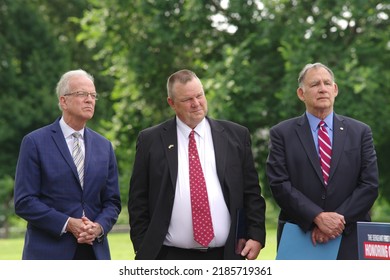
[180, 232]
[68, 131]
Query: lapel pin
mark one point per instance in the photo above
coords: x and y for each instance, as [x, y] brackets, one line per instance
[341, 128]
[170, 146]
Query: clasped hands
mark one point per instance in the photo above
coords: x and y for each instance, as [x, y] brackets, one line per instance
[84, 230]
[329, 225]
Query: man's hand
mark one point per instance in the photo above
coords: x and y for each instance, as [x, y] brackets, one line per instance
[75, 226]
[318, 236]
[84, 230]
[251, 250]
[331, 224]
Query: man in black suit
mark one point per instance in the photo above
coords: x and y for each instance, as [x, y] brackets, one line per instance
[160, 210]
[327, 203]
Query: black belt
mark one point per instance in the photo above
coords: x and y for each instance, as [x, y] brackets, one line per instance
[175, 253]
[205, 250]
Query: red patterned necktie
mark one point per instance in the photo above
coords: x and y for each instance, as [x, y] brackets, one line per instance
[201, 216]
[325, 149]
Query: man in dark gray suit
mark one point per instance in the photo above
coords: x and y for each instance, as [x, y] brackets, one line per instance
[160, 209]
[326, 202]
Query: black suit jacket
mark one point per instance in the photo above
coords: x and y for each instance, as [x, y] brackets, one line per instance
[295, 178]
[153, 183]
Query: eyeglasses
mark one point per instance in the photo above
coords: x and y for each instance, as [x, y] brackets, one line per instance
[83, 94]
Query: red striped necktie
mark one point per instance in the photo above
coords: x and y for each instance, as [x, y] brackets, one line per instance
[325, 150]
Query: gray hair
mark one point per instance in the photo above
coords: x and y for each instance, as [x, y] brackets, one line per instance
[182, 76]
[63, 84]
[307, 67]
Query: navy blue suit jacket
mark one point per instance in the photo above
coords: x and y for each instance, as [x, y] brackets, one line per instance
[295, 178]
[48, 191]
[153, 184]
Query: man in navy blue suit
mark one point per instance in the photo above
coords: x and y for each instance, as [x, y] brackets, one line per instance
[326, 203]
[69, 206]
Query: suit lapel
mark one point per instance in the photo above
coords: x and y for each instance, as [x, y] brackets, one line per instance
[220, 141]
[306, 137]
[340, 131]
[169, 140]
[88, 152]
[59, 140]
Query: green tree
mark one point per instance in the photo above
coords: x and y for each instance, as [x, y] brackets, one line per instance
[30, 60]
[352, 37]
[249, 62]
[141, 43]
[37, 44]
[30, 63]
[275, 39]
[63, 17]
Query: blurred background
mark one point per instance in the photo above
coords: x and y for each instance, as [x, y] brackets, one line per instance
[248, 54]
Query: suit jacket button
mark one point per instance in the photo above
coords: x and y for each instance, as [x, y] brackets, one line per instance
[323, 196]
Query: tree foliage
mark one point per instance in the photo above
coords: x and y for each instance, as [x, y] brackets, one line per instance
[30, 60]
[141, 44]
[248, 53]
[352, 37]
[37, 44]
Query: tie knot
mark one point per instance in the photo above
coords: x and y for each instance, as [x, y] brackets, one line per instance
[321, 124]
[76, 135]
[192, 134]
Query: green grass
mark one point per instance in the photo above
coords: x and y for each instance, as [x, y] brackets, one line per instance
[121, 247]
[11, 249]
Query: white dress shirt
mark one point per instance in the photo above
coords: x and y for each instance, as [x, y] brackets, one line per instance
[180, 233]
[68, 131]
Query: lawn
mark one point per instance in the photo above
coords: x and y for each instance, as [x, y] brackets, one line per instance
[121, 248]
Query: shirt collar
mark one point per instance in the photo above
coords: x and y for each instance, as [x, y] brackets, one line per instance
[185, 129]
[313, 121]
[68, 131]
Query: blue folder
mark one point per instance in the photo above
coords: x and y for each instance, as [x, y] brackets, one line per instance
[295, 244]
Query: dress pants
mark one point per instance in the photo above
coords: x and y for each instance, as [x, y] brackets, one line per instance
[84, 252]
[174, 253]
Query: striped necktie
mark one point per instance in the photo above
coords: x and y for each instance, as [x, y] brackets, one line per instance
[78, 156]
[325, 150]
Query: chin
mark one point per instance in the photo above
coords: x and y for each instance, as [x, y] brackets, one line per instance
[88, 116]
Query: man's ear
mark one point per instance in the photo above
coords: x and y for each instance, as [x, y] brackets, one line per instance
[300, 94]
[171, 102]
[336, 89]
[63, 102]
